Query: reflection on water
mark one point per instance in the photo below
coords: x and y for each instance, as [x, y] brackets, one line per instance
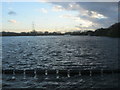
[59, 52]
[24, 77]
[52, 83]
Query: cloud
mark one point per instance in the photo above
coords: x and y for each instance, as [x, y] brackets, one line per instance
[94, 14]
[44, 10]
[101, 13]
[10, 8]
[77, 0]
[83, 22]
[57, 8]
[107, 9]
[66, 16]
[12, 21]
[11, 13]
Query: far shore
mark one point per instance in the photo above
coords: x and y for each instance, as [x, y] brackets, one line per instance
[112, 31]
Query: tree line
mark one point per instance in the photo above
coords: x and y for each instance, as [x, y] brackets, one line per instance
[112, 31]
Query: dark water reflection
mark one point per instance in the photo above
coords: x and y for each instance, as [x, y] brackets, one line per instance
[60, 52]
[53, 83]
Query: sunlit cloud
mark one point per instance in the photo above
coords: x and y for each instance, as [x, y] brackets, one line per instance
[77, 28]
[57, 8]
[84, 12]
[85, 18]
[83, 22]
[73, 6]
[94, 14]
[66, 16]
[12, 21]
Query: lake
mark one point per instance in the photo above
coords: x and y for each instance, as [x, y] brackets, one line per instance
[60, 53]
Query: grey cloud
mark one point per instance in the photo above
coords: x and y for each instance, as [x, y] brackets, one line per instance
[107, 9]
[11, 13]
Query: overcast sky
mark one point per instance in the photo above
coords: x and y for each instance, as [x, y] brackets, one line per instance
[58, 16]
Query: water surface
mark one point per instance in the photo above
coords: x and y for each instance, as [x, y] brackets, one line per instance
[60, 52]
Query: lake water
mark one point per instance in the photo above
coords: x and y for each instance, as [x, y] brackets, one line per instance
[60, 52]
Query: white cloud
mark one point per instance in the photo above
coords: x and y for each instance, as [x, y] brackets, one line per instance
[66, 16]
[97, 15]
[84, 12]
[57, 8]
[10, 8]
[73, 6]
[83, 22]
[103, 13]
[12, 21]
[44, 10]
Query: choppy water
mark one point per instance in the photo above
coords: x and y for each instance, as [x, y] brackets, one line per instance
[59, 52]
